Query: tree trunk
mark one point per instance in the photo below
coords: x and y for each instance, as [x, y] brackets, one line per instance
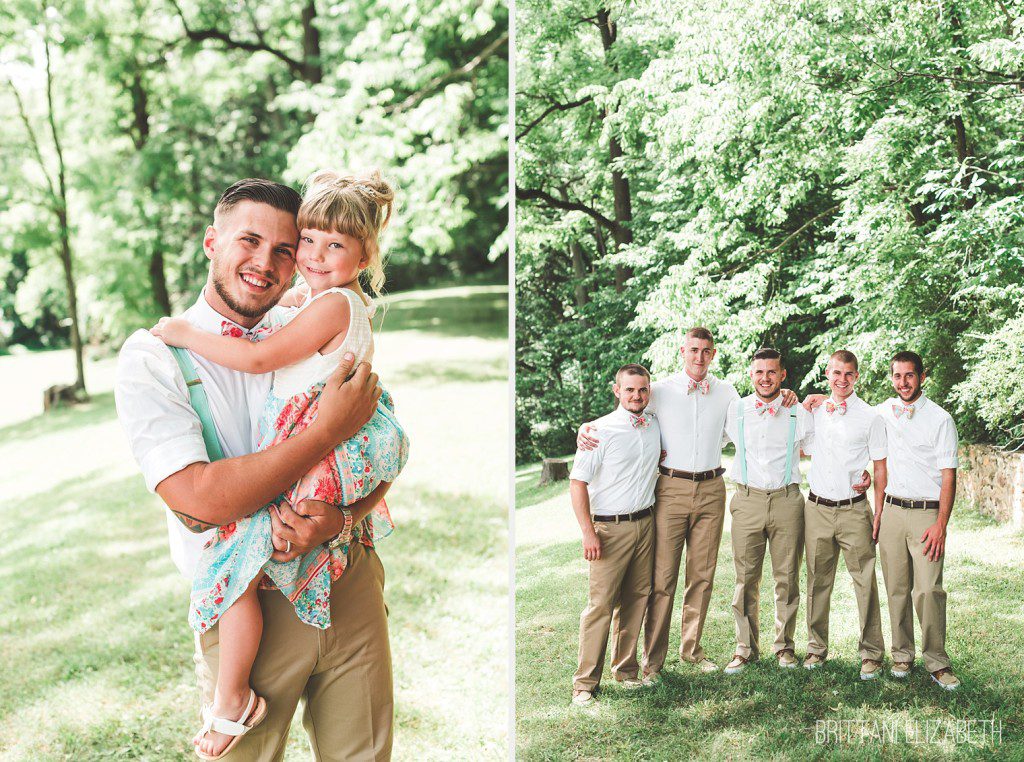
[311, 65]
[69, 284]
[553, 470]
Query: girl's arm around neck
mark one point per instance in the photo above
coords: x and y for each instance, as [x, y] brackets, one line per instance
[314, 327]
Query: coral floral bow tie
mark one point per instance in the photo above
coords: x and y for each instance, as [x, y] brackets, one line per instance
[640, 421]
[907, 410]
[831, 407]
[227, 328]
[763, 407]
[702, 385]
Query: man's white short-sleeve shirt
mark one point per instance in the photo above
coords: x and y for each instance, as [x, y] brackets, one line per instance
[765, 438]
[164, 431]
[920, 446]
[842, 446]
[622, 470]
[692, 423]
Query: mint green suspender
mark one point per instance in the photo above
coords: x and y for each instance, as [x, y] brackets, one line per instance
[741, 445]
[199, 401]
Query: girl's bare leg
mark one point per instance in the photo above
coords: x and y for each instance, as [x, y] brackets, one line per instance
[240, 629]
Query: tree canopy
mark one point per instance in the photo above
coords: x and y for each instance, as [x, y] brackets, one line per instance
[805, 175]
[148, 109]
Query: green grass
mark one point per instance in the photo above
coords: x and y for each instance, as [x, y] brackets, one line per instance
[767, 713]
[94, 642]
[528, 489]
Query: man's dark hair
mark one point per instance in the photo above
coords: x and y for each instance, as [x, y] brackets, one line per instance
[913, 357]
[267, 192]
[699, 332]
[845, 356]
[633, 368]
[767, 353]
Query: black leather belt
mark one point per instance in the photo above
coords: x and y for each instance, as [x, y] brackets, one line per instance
[700, 476]
[836, 503]
[918, 504]
[624, 516]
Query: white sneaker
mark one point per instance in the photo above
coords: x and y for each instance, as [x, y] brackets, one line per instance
[583, 698]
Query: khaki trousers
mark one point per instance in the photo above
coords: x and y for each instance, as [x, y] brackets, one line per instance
[342, 674]
[620, 582]
[826, 532]
[688, 515]
[909, 574]
[774, 518]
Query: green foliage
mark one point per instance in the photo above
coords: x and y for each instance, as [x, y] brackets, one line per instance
[809, 176]
[160, 106]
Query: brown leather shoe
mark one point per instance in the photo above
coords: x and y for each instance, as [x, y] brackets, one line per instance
[786, 658]
[737, 665]
[870, 669]
[813, 661]
[946, 679]
[901, 668]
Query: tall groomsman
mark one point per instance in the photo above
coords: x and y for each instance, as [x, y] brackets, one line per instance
[847, 433]
[612, 492]
[689, 508]
[768, 508]
[911, 529]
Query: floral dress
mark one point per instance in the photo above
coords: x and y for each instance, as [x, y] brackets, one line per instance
[241, 550]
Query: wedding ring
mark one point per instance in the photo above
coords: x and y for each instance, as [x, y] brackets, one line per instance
[289, 548]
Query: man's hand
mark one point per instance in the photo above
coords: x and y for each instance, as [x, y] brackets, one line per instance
[173, 331]
[664, 454]
[788, 398]
[591, 546]
[584, 440]
[345, 405]
[812, 401]
[934, 539]
[875, 525]
[320, 523]
[862, 486]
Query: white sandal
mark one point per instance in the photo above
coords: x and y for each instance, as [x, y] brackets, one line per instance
[255, 711]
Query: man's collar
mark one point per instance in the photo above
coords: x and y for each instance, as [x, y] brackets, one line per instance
[203, 316]
[853, 398]
[624, 414]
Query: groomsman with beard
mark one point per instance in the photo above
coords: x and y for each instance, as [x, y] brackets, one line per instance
[767, 508]
[612, 492]
[911, 527]
[847, 433]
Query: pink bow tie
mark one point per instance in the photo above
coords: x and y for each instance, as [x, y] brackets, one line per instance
[640, 421]
[227, 328]
[898, 410]
[763, 407]
[831, 407]
[702, 385]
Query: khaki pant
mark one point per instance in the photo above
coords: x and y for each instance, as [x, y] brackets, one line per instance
[343, 674]
[688, 515]
[909, 574]
[774, 518]
[826, 532]
[620, 582]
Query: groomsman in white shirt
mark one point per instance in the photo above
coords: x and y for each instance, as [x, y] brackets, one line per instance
[767, 508]
[848, 433]
[612, 491]
[911, 527]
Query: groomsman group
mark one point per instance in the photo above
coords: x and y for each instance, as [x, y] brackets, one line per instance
[647, 486]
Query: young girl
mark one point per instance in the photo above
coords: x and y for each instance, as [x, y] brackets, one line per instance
[341, 219]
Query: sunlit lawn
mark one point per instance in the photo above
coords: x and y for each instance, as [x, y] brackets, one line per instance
[767, 713]
[96, 651]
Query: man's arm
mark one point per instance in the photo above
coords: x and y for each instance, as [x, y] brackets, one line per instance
[881, 470]
[934, 537]
[205, 495]
[580, 496]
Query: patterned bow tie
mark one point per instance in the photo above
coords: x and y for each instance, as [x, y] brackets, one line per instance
[763, 407]
[831, 407]
[908, 410]
[227, 328]
[640, 421]
[702, 385]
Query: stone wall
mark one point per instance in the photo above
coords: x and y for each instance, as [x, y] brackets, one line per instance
[994, 481]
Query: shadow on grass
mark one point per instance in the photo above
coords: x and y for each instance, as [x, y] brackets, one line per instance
[452, 372]
[99, 408]
[528, 489]
[483, 314]
[767, 713]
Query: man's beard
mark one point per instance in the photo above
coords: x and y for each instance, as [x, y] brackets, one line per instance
[257, 311]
